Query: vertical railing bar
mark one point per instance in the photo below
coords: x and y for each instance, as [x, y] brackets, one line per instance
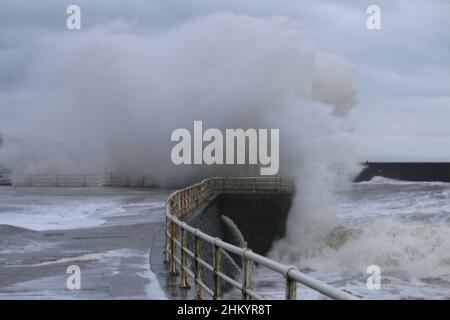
[217, 261]
[291, 289]
[167, 241]
[197, 268]
[246, 274]
[183, 284]
[291, 286]
[173, 248]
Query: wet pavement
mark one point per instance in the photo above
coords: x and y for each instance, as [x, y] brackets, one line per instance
[112, 252]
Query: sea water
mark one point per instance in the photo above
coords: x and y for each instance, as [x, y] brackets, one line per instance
[401, 227]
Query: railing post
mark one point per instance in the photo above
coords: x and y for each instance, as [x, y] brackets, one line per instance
[186, 202]
[202, 193]
[180, 209]
[247, 275]
[181, 216]
[167, 242]
[173, 249]
[291, 289]
[291, 286]
[183, 284]
[217, 268]
[197, 268]
[183, 195]
[191, 202]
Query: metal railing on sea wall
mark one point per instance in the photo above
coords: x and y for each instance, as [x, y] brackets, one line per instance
[184, 202]
[4, 180]
[79, 180]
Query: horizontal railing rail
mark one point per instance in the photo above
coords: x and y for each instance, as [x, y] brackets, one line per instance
[183, 202]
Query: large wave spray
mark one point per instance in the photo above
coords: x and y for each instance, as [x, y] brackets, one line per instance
[112, 99]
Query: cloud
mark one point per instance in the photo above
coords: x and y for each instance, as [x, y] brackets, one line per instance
[408, 58]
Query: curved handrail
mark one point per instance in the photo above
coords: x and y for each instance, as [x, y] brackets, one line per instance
[182, 202]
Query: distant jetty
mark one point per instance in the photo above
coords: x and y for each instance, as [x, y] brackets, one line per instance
[407, 171]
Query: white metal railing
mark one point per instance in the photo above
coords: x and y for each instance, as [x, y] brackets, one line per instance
[183, 202]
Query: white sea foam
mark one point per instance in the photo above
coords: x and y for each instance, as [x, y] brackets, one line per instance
[383, 180]
[404, 228]
[59, 208]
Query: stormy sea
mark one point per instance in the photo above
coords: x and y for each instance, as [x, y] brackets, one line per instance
[401, 227]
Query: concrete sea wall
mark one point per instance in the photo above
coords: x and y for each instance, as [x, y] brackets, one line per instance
[260, 217]
[408, 171]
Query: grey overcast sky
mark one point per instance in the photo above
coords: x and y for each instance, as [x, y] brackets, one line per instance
[402, 71]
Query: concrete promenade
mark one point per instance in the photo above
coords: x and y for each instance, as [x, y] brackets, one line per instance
[112, 253]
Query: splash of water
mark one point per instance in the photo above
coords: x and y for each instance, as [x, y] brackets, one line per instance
[111, 99]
